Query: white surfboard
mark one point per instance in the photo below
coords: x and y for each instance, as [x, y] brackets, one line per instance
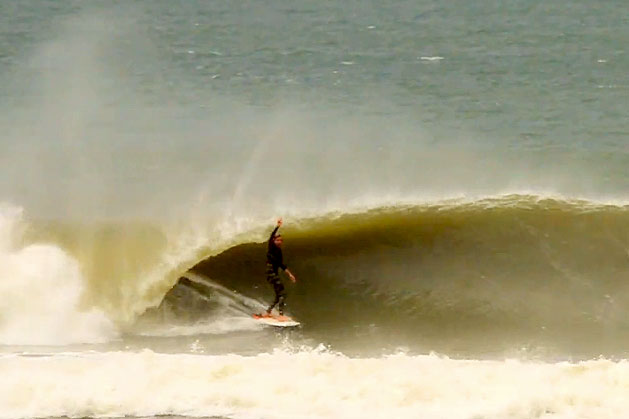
[277, 321]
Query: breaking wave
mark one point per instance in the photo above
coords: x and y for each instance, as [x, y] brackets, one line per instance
[520, 268]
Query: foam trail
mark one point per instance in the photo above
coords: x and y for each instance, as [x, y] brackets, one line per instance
[41, 288]
[236, 301]
[232, 312]
[307, 384]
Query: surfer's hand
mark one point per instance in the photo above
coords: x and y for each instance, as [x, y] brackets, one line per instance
[292, 277]
[279, 222]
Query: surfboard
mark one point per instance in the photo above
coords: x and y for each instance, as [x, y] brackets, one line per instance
[278, 321]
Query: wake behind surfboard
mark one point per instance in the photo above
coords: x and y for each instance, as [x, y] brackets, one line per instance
[278, 321]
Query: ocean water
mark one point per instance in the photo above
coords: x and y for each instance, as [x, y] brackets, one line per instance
[453, 180]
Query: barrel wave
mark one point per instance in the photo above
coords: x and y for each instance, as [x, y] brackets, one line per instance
[515, 272]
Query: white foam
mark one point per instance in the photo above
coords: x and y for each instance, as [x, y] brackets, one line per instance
[41, 287]
[308, 384]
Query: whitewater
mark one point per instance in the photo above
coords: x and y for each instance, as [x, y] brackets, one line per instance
[307, 384]
[452, 177]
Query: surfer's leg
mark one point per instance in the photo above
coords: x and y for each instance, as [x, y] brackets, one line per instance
[272, 278]
[277, 298]
[280, 295]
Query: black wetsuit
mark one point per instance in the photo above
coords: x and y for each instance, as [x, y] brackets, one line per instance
[274, 261]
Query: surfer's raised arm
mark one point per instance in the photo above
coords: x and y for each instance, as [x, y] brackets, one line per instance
[274, 232]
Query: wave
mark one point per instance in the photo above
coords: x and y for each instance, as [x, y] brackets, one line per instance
[520, 268]
[306, 384]
[527, 264]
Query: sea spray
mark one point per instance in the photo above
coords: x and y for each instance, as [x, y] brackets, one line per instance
[41, 288]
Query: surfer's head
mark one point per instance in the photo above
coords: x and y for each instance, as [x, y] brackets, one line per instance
[277, 240]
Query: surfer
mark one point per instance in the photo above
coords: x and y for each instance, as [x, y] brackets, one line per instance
[274, 261]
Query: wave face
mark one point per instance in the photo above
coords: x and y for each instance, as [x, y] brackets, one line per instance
[493, 274]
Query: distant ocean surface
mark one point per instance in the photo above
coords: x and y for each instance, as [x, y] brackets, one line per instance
[453, 178]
